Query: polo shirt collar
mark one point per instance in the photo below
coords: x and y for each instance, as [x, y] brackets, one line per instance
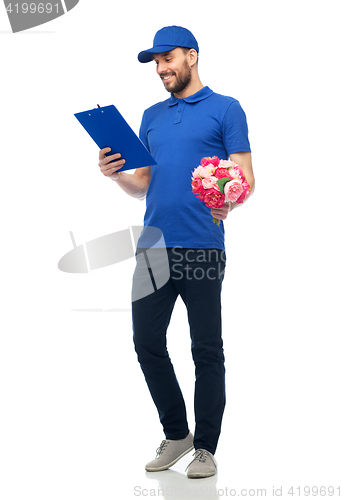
[198, 96]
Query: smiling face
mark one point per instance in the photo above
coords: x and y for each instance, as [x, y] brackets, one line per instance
[174, 69]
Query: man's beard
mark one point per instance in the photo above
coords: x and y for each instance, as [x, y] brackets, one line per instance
[181, 81]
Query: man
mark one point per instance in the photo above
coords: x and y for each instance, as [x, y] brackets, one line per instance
[193, 123]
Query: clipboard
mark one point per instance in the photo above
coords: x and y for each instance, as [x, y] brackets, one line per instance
[108, 129]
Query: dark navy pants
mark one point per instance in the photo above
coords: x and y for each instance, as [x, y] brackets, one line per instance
[196, 275]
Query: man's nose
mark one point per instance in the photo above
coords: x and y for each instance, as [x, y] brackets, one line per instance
[161, 68]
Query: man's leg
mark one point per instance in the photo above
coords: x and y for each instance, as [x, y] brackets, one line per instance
[151, 317]
[200, 289]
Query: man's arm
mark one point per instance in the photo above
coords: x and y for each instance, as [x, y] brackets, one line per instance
[244, 160]
[136, 184]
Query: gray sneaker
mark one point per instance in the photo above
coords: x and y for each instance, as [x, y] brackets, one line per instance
[203, 465]
[169, 452]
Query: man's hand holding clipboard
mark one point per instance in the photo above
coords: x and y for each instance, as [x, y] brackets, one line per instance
[109, 165]
[136, 184]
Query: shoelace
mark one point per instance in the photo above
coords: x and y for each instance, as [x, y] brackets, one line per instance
[161, 447]
[200, 455]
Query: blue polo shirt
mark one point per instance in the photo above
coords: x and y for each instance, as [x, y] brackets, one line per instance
[179, 133]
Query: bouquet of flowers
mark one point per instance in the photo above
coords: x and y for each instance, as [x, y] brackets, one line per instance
[217, 181]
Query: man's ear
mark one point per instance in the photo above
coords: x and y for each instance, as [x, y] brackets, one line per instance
[193, 56]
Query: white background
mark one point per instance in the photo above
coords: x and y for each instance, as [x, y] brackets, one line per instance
[76, 419]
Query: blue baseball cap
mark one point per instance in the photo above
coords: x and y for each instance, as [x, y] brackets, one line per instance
[167, 39]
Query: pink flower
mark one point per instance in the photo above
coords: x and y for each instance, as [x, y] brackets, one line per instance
[197, 188]
[196, 172]
[208, 160]
[200, 195]
[196, 185]
[206, 171]
[226, 164]
[210, 182]
[221, 172]
[233, 190]
[213, 198]
[235, 173]
[245, 193]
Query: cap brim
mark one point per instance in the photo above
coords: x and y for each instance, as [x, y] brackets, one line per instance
[147, 55]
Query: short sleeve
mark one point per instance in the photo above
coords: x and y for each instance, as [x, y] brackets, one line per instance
[143, 132]
[235, 130]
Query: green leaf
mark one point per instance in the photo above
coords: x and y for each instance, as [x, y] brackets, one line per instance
[221, 183]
